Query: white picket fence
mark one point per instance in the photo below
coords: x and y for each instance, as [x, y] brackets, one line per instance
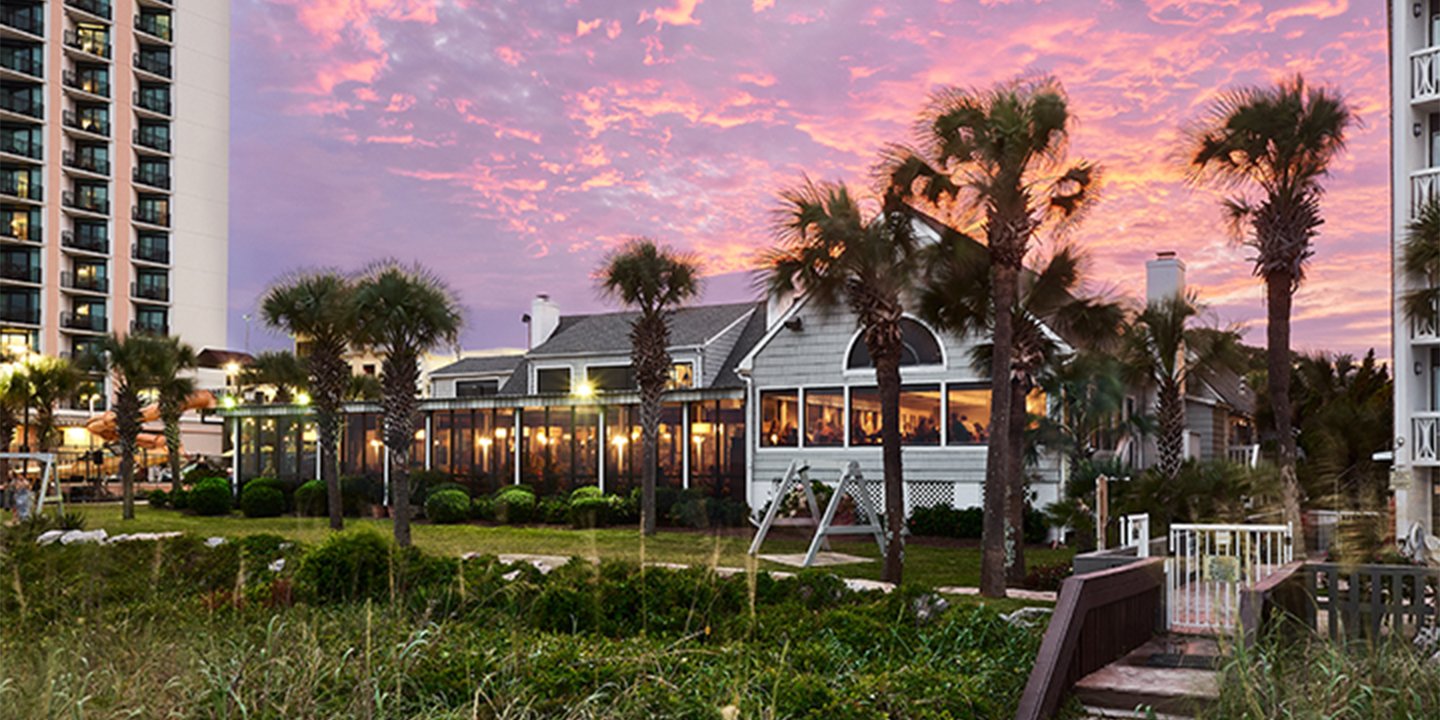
[1208, 566]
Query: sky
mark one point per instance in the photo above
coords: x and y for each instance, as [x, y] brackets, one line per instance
[510, 145]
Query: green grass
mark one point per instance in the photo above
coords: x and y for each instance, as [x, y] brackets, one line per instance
[925, 564]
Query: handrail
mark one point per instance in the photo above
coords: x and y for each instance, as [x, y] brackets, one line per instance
[1133, 594]
[1257, 602]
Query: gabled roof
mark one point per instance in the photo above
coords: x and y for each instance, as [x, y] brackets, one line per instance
[484, 365]
[749, 335]
[1230, 388]
[609, 333]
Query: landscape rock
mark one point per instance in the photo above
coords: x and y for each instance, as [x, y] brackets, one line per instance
[82, 536]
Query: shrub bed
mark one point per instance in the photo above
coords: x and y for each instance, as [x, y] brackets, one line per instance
[448, 506]
[311, 499]
[210, 496]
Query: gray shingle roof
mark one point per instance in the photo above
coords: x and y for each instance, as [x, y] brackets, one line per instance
[750, 335]
[607, 333]
[486, 365]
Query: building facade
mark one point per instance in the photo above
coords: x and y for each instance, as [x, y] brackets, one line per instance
[1415, 341]
[114, 147]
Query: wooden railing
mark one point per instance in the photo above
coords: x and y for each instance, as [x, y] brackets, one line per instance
[1350, 601]
[1099, 618]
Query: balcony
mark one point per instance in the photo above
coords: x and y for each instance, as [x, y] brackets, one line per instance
[88, 163]
[152, 140]
[150, 253]
[26, 21]
[151, 178]
[87, 283]
[23, 65]
[146, 101]
[150, 215]
[22, 105]
[150, 291]
[87, 123]
[88, 203]
[87, 83]
[85, 241]
[23, 314]
[151, 25]
[87, 44]
[87, 322]
[98, 8]
[16, 145]
[25, 233]
[149, 328]
[20, 272]
[11, 187]
[152, 65]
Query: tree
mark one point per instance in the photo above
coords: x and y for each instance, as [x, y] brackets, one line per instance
[51, 381]
[1421, 258]
[1166, 353]
[132, 362]
[404, 312]
[14, 392]
[1276, 143]
[280, 369]
[998, 154]
[1344, 410]
[653, 280]
[317, 308]
[956, 295]
[173, 388]
[839, 255]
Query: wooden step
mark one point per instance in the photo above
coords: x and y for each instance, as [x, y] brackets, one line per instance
[1169, 675]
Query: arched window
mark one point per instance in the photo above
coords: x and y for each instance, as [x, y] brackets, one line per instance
[919, 346]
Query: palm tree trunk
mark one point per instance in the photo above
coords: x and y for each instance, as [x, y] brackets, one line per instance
[172, 450]
[127, 478]
[1278, 289]
[400, 376]
[997, 453]
[1015, 495]
[329, 376]
[887, 377]
[650, 452]
[400, 495]
[1171, 441]
[330, 475]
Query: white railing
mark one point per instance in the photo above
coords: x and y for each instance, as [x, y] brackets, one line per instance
[1135, 532]
[1426, 327]
[1423, 184]
[1210, 564]
[1247, 455]
[1425, 73]
[1424, 426]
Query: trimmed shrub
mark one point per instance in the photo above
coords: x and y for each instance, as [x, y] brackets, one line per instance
[585, 491]
[424, 482]
[258, 501]
[972, 523]
[194, 475]
[158, 499]
[624, 509]
[211, 496]
[311, 498]
[553, 510]
[515, 505]
[447, 506]
[935, 521]
[1037, 527]
[359, 492]
[180, 499]
[482, 508]
[351, 565]
[590, 512]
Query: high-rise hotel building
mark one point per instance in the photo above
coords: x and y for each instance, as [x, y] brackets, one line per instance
[1415, 181]
[114, 141]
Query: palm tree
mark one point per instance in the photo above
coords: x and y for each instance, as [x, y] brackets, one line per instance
[653, 280]
[318, 309]
[51, 381]
[279, 369]
[14, 393]
[1165, 352]
[998, 154]
[1421, 259]
[405, 311]
[829, 248]
[1087, 394]
[363, 388]
[173, 388]
[1278, 142]
[956, 295]
[132, 362]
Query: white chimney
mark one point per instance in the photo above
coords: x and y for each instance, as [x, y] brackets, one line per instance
[776, 305]
[1164, 277]
[544, 317]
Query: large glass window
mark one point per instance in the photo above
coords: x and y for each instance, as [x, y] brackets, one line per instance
[968, 414]
[919, 347]
[92, 38]
[920, 415]
[23, 224]
[476, 388]
[21, 182]
[552, 381]
[21, 139]
[864, 416]
[682, 376]
[825, 417]
[779, 418]
[622, 448]
[611, 378]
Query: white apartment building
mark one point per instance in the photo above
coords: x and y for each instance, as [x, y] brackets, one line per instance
[1415, 148]
[114, 170]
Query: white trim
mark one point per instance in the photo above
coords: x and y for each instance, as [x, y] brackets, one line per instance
[943, 366]
[685, 446]
[748, 362]
[535, 376]
[742, 319]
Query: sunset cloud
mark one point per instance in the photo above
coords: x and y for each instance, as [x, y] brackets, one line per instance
[510, 144]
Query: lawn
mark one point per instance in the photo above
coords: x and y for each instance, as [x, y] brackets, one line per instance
[927, 562]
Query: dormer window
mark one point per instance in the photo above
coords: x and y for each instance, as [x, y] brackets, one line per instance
[552, 381]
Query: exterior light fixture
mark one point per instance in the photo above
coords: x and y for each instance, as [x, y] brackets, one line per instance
[1416, 129]
[585, 390]
[232, 368]
[302, 398]
[1419, 368]
[228, 402]
[1415, 8]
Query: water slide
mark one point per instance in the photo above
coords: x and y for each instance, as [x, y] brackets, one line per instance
[103, 424]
